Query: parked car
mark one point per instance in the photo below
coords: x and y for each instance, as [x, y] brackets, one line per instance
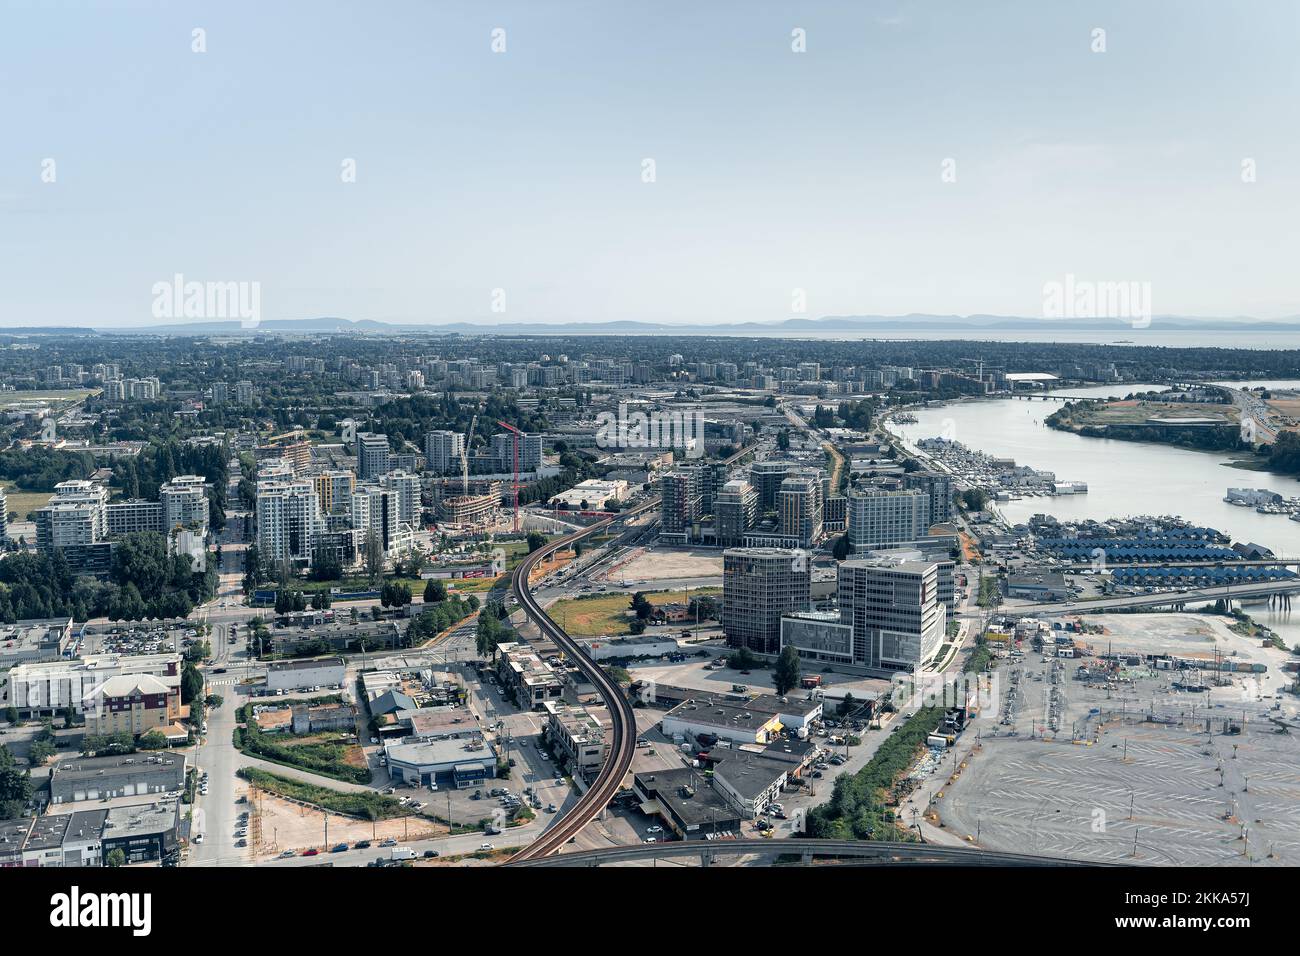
[311, 852]
[339, 848]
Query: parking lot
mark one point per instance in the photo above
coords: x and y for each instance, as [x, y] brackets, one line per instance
[1143, 793]
[137, 639]
[1147, 765]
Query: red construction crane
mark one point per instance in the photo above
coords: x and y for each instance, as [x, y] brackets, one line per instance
[515, 433]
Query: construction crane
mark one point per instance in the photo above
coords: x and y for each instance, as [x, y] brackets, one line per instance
[515, 433]
[464, 456]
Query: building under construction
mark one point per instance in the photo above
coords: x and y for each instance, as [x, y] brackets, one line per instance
[459, 506]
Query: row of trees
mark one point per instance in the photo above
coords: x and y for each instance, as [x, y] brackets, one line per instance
[41, 584]
[492, 628]
[858, 807]
[438, 617]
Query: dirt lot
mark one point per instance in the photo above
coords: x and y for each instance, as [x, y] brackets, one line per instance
[288, 826]
[662, 563]
[551, 564]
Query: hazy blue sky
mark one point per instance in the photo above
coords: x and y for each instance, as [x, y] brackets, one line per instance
[522, 170]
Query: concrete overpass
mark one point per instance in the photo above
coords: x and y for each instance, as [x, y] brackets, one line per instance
[1274, 562]
[801, 853]
[1171, 598]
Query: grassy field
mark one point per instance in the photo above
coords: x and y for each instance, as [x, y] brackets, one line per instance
[610, 614]
[24, 502]
[367, 805]
[472, 585]
[1135, 412]
[58, 397]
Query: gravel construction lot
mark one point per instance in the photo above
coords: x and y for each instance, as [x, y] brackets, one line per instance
[1212, 777]
[1061, 799]
[662, 563]
[1183, 635]
[289, 826]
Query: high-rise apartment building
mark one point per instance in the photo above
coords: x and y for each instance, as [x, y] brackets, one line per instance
[74, 516]
[288, 520]
[879, 518]
[334, 488]
[184, 502]
[735, 509]
[680, 503]
[530, 451]
[939, 487]
[758, 586]
[372, 455]
[442, 451]
[799, 503]
[407, 488]
[766, 477]
[375, 508]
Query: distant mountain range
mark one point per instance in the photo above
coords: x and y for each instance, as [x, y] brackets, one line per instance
[886, 326]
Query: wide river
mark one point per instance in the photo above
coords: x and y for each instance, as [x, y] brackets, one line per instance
[1124, 478]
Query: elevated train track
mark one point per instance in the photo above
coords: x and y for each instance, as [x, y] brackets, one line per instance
[622, 719]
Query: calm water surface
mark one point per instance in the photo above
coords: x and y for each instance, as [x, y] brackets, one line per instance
[1124, 478]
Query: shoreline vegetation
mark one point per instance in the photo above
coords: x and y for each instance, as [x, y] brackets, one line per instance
[1118, 421]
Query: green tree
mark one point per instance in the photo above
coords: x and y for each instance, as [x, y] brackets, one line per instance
[43, 745]
[641, 605]
[191, 683]
[742, 660]
[372, 555]
[535, 540]
[434, 591]
[785, 675]
[115, 858]
[15, 786]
